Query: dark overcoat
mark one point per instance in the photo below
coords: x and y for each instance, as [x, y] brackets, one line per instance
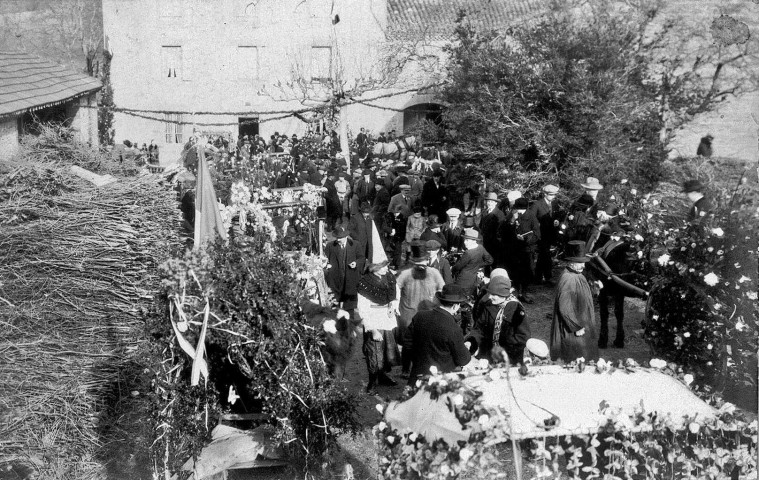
[573, 310]
[465, 270]
[436, 340]
[342, 279]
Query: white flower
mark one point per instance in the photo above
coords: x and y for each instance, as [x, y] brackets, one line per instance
[718, 231]
[390, 439]
[382, 425]
[711, 279]
[465, 454]
[694, 427]
[458, 399]
[581, 360]
[483, 419]
[612, 197]
[688, 378]
[744, 279]
[686, 334]
[494, 375]
[710, 249]
[330, 326]
[445, 469]
[640, 254]
[413, 436]
[649, 216]
[751, 295]
[663, 260]
[638, 237]
[623, 181]
[740, 325]
[709, 347]
[657, 363]
[433, 370]
[654, 202]
[633, 191]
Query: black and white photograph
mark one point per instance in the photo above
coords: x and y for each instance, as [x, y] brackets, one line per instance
[379, 239]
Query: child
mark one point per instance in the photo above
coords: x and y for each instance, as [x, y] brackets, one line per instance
[414, 228]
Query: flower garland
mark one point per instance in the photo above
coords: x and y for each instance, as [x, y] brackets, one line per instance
[715, 446]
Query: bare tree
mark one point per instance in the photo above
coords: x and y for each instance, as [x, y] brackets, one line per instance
[353, 76]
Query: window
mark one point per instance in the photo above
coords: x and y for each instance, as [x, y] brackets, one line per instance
[321, 61]
[247, 62]
[171, 61]
[171, 8]
[173, 127]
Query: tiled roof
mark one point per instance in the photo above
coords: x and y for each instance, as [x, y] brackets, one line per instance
[437, 17]
[28, 82]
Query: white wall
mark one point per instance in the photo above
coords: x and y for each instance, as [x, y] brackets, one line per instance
[8, 137]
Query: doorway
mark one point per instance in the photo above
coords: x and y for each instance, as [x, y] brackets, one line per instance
[247, 126]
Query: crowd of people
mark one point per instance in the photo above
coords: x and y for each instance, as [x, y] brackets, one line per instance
[445, 280]
[132, 152]
[440, 274]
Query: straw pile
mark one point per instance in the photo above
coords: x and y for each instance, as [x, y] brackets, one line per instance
[77, 265]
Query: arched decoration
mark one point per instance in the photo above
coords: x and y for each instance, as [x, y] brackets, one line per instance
[262, 11]
[422, 111]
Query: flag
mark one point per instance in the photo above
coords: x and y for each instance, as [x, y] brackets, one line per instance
[207, 216]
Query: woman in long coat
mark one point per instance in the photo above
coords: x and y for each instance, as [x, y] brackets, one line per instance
[574, 332]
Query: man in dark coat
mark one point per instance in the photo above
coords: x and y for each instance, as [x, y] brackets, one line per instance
[574, 332]
[343, 272]
[380, 206]
[471, 262]
[500, 320]
[521, 234]
[433, 232]
[546, 210]
[360, 228]
[490, 227]
[364, 189]
[436, 340]
[435, 195]
[331, 199]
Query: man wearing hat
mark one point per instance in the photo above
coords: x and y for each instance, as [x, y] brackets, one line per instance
[360, 228]
[331, 199]
[436, 339]
[584, 212]
[453, 229]
[574, 332]
[363, 188]
[438, 261]
[474, 259]
[433, 231]
[490, 228]
[415, 285]
[381, 204]
[701, 207]
[400, 209]
[501, 320]
[344, 268]
[343, 187]
[521, 234]
[435, 195]
[547, 211]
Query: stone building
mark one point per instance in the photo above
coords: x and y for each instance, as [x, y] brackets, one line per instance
[32, 88]
[243, 67]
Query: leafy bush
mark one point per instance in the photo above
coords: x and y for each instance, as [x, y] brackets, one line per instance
[258, 341]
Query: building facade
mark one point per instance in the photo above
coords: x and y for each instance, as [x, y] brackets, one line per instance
[33, 89]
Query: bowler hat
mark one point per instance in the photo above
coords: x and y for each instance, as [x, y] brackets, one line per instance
[521, 203]
[500, 286]
[433, 221]
[585, 201]
[491, 196]
[339, 232]
[592, 183]
[366, 171]
[692, 186]
[575, 252]
[451, 294]
[418, 252]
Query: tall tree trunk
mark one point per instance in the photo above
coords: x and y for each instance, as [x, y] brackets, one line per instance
[344, 145]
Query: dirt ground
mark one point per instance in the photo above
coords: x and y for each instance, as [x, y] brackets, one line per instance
[361, 451]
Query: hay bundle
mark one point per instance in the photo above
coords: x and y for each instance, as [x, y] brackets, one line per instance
[77, 265]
